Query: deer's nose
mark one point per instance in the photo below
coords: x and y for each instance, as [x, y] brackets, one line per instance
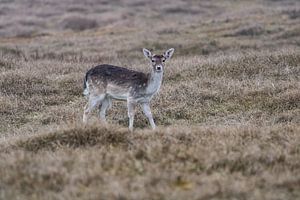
[158, 68]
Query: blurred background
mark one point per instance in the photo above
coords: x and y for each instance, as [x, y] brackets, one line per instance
[87, 29]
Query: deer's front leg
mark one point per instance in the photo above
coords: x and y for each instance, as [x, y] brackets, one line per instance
[131, 110]
[147, 112]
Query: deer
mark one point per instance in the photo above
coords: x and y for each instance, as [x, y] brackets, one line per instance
[105, 82]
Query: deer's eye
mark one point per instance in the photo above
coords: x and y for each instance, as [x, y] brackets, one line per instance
[153, 61]
[163, 60]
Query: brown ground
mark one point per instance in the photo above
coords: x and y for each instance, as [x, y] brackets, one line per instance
[228, 111]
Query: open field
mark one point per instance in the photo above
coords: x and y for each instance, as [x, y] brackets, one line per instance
[228, 112]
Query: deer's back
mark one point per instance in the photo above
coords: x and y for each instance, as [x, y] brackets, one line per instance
[117, 75]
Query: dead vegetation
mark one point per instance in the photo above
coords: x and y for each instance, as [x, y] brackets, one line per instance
[228, 111]
[75, 138]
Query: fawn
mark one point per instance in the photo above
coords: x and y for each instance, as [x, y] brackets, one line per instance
[106, 82]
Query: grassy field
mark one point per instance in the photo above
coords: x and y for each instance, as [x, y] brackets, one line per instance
[228, 112]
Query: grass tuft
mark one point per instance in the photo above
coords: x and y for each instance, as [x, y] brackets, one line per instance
[76, 137]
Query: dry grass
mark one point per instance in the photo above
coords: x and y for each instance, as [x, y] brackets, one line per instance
[180, 162]
[228, 111]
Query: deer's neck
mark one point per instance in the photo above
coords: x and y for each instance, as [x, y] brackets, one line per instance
[154, 82]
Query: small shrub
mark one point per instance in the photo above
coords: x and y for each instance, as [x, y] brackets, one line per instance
[292, 14]
[77, 23]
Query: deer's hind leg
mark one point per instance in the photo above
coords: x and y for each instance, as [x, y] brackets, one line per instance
[106, 103]
[93, 102]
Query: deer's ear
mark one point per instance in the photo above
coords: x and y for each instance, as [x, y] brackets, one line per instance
[168, 54]
[147, 53]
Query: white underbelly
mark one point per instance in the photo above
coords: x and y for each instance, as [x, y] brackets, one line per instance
[119, 96]
[117, 92]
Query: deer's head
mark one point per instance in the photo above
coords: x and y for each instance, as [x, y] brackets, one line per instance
[158, 61]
